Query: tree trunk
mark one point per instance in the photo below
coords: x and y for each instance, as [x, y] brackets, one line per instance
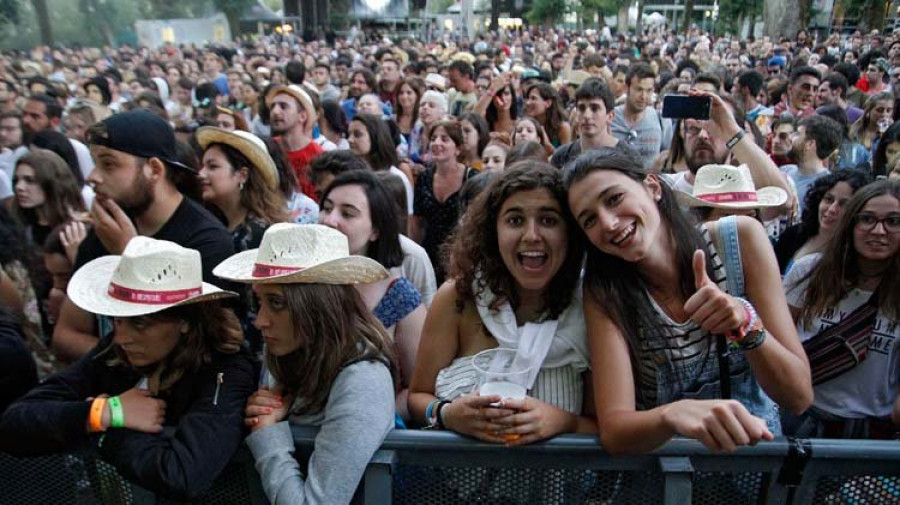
[43, 17]
[623, 18]
[495, 15]
[639, 22]
[783, 18]
[688, 14]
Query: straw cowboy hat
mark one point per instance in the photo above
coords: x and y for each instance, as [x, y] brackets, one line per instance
[150, 276]
[247, 144]
[729, 187]
[299, 94]
[301, 253]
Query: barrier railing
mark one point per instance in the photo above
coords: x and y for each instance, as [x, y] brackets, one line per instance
[415, 467]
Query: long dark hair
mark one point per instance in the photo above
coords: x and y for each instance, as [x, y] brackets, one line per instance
[554, 116]
[616, 284]
[809, 219]
[475, 262]
[382, 155]
[335, 330]
[491, 113]
[879, 159]
[260, 199]
[62, 195]
[481, 127]
[838, 271]
[382, 211]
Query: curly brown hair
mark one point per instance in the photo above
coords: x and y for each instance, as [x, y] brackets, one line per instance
[475, 263]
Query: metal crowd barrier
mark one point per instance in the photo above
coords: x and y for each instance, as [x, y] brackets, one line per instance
[428, 467]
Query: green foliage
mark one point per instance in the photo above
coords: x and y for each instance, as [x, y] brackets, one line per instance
[547, 12]
[9, 11]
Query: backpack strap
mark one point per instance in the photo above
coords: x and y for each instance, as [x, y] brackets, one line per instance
[729, 247]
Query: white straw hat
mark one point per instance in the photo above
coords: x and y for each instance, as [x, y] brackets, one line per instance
[150, 276]
[730, 187]
[301, 253]
[247, 144]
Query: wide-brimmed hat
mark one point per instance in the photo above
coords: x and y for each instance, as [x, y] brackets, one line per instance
[301, 253]
[247, 144]
[150, 276]
[436, 80]
[299, 94]
[730, 187]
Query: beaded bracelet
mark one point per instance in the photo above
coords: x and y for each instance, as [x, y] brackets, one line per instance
[117, 413]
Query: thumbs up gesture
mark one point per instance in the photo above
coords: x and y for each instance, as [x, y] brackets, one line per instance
[710, 307]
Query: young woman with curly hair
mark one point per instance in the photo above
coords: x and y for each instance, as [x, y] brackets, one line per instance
[514, 282]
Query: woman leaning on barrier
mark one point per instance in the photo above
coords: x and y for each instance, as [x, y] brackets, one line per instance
[162, 399]
[514, 267]
[331, 361]
[657, 297]
[846, 304]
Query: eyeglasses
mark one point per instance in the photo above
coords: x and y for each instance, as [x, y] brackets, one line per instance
[868, 222]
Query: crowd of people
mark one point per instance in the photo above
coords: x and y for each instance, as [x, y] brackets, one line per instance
[200, 246]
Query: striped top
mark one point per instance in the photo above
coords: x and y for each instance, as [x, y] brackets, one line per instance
[675, 348]
[561, 387]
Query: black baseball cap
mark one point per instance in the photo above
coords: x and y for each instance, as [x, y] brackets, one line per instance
[139, 133]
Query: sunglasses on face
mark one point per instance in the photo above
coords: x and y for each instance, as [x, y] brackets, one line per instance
[774, 71]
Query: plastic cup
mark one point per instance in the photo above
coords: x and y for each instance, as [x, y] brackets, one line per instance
[500, 374]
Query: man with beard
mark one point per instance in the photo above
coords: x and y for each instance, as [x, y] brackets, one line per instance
[291, 117]
[362, 82]
[136, 181]
[721, 140]
[812, 144]
[43, 112]
[800, 98]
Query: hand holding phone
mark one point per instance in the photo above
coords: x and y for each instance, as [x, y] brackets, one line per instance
[686, 107]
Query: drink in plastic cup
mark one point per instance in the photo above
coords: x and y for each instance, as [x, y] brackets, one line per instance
[500, 374]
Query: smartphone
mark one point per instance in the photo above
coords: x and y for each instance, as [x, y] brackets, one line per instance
[682, 107]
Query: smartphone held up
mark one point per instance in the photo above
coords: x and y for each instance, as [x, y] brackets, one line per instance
[686, 107]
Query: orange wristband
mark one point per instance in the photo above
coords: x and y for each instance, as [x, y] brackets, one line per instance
[96, 418]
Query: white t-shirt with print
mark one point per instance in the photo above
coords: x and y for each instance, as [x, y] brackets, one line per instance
[869, 389]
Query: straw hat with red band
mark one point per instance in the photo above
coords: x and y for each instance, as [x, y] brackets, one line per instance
[301, 253]
[150, 276]
[299, 94]
[248, 144]
[730, 187]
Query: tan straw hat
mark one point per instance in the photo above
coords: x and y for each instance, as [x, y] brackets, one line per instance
[730, 187]
[247, 144]
[299, 94]
[150, 276]
[301, 253]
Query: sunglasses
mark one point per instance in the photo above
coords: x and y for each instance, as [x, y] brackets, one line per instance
[775, 71]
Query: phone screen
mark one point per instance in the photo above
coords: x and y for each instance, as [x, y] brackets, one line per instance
[682, 107]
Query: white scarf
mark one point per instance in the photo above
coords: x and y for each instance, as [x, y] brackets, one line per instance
[551, 344]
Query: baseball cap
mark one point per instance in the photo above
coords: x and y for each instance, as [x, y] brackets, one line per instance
[139, 133]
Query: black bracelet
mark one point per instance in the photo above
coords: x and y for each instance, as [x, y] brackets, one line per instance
[733, 141]
[439, 424]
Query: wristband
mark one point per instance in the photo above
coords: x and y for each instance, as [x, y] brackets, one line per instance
[439, 420]
[117, 414]
[429, 412]
[733, 141]
[95, 419]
